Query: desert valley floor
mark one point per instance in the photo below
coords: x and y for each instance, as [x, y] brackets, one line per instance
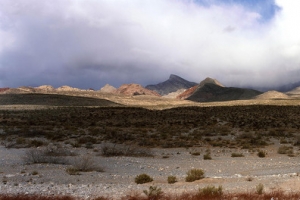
[97, 148]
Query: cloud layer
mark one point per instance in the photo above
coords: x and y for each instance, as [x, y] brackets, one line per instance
[88, 43]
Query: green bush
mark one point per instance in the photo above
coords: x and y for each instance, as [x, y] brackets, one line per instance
[172, 179]
[194, 174]
[142, 178]
[211, 191]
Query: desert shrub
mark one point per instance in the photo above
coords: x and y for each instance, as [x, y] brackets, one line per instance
[261, 154]
[125, 150]
[237, 155]
[72, 171]
[41, 156]
[260, 188]
[210, 191]
[89, 145]
[34, 156]
[285, 150]
[172, 179]
[21, 140]
[76, 145]
[194, 174]
[86, 164]
[36, 143]
[153, 193]
[195, 153]
[34, 173]
[207, 156]
[101, 198]
[142, 178]
[4, 180]
[57, 150]
[297, 143]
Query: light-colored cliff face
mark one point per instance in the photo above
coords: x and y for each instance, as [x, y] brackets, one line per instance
[108, 89]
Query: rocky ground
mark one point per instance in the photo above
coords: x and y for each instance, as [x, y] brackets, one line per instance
[275, 171]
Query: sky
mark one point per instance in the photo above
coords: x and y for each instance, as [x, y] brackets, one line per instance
[89, 43]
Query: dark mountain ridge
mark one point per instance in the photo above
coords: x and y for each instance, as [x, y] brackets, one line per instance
[173, 84]
[212, 92]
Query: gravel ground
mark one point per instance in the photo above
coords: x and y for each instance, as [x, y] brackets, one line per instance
[274, 171]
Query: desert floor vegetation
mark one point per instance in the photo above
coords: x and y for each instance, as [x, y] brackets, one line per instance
[118, 144]
[246, 127]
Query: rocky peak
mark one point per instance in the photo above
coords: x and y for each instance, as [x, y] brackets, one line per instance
[108, 89]
[173, 84]
[210, 80]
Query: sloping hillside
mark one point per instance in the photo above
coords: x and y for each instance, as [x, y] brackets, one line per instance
[191, 90]
[212, 92]
[52, 100]
[272, 95]
[294, 93]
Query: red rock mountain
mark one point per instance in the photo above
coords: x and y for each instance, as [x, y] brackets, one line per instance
[3, 89]
[135, 89]
[187, 93]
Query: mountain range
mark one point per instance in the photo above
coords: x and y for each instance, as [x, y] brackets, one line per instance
[208, 90]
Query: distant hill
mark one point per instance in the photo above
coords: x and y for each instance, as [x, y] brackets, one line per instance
[173, 84]
[211, 92]
[272, 95]
[294, 93]
[108, 89]
[191, 90]
[52, 100]
[135, 89]
[3, 89]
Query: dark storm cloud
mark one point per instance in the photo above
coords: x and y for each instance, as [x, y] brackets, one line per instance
[90, 43]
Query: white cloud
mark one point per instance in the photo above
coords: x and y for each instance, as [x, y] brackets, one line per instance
[145, 41]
